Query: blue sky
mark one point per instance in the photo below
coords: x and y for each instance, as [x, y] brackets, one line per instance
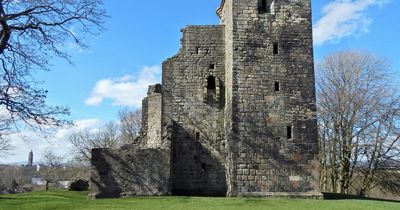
[121, 62]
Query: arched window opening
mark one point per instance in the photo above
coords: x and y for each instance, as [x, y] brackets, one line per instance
[211, 90]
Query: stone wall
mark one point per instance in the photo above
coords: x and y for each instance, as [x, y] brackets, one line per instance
[273, 141]
[153, 114]
[130, 172]
[227, 21]
[140, 169]
[193, 99]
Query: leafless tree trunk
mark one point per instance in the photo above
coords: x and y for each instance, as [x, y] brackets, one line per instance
[5, 146]
[358, 119]
[381, 148]
[5, 122]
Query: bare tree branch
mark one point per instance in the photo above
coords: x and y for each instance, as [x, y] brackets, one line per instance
[84, 141]
[130, 125]
[31, 33]
[358, 119]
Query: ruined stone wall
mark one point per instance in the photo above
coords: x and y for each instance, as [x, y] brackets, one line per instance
[130, 171]
[153, 114]
[140, 169]
[145, 122]
[272, 95]
[196, 111]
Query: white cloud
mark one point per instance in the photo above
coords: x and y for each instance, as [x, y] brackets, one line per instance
[26, 141]
[342, 18]
[128, 90]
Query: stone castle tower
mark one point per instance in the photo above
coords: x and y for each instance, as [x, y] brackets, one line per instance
[235, 114]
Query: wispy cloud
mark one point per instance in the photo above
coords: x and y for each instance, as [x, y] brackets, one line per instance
[25, 141]
[342, 18]
[128, 90]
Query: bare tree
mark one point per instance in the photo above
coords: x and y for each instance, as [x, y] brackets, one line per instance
[5, 146]
[381, 146]
[358, 120]
[84, 141]
[5, 122]
[31, 33]
[50, 167]
[130, 125]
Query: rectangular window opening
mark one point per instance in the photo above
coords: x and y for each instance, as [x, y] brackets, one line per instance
[289, 132]
[263, 6]
[276, 49]
[197, 50]
[277, 87]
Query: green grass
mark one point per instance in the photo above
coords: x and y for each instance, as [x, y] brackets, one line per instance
[78, 200]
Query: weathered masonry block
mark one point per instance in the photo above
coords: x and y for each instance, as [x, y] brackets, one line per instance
[235, 115]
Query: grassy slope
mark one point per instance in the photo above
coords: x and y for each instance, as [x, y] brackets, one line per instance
[73, 200]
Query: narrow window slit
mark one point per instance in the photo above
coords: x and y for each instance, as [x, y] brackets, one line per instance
[203, 167]
[289, 132]
[277, 87]
[276, 48]
[211, 83]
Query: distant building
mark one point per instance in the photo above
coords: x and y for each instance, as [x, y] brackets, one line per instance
[38, 181]
[30, 159]
[64, 184]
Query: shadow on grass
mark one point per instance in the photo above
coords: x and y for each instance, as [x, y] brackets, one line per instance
[7, 198]
[338, 196]
[43, 195]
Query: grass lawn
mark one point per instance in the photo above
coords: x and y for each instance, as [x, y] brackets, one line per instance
[78, 200]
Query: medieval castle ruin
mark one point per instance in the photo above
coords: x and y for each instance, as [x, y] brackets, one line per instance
[235, 114]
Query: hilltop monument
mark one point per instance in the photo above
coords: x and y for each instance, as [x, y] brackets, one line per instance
[235, 114]
[30, 158]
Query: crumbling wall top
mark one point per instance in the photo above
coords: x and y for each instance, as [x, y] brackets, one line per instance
[157, 88]
[220, 8]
